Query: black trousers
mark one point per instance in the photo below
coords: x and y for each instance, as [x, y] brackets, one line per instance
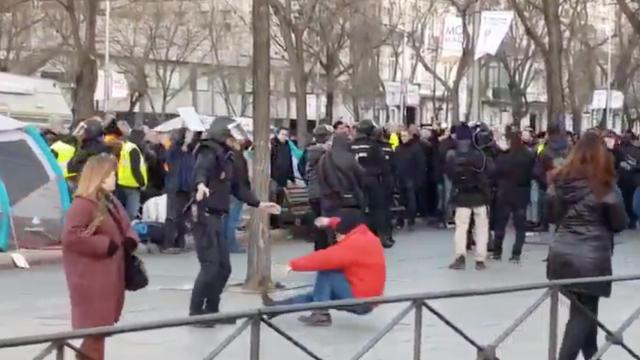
[321, 237]
[176, 222]
[379, 209]
[408, 200]
[581, 332]
[215, 266]
[504, 211]
[627, 191]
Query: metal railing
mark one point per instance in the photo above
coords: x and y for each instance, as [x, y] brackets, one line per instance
[254, 319]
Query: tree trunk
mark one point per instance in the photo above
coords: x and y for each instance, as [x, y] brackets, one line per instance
[301, 109]
[87, 68]
[455, 103]
[259, 261]
[85, 86]
[553, 65]
[331, 84]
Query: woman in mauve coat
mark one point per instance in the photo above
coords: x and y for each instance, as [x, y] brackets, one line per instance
[97, 233]
[588, 210]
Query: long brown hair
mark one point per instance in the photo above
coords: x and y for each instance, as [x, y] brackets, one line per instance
[590, 159]
[97, 169]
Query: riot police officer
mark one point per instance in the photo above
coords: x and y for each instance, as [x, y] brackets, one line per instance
[371, 157]
[215, 182]
[381, 136]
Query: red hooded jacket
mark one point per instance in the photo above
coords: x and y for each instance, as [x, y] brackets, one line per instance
[359, 256]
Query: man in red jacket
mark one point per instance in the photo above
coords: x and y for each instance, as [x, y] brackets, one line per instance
[352, 268]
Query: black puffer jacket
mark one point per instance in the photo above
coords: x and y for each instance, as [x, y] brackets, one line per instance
[583, 243]
[411, 164]
[514, 173]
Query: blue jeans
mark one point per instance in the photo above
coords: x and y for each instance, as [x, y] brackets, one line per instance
[130, 199]
[636, 202]
[330, 285]
[231, 222]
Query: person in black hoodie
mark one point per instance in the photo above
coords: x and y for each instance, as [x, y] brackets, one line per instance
[587, 210]
[410, 165]
[215, 182]
[514, 173]
[342, 179]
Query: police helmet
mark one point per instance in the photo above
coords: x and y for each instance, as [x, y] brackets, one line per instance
[365, 127]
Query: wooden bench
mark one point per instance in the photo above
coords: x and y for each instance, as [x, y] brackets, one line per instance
[296, 203]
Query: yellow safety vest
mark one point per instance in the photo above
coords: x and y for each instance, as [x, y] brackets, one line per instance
[394, 141]
[540, 148]
[125, 173]
[65, 154]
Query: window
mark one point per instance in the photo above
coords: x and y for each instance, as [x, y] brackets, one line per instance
[202, 83]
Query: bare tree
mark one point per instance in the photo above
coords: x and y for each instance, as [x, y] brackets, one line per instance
[294, 19]
[550, 44]
[19, 21]
[464, 9]
[76, 22]
[518, 56]
[159, 39]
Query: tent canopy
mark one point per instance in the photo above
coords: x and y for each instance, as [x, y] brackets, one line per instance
[33, 193]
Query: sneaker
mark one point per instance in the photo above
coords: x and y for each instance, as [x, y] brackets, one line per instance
[480, 265]
[458, 264]
[496, 257]
[387, 244]
[319, 319]
[515, 259]
[267, 300]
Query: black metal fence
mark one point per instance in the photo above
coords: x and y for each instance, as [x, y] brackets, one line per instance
[57, 343]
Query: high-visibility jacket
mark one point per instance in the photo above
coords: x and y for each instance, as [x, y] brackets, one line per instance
[125, 172]
[64, 153]
[540, 148]
[394, 141]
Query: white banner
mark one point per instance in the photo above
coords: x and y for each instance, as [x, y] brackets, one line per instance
[494, 26]
[119, 86]
[600, 100]
[452, 37]
[191, 118]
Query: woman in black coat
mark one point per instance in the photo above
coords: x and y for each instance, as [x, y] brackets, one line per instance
[588, 210]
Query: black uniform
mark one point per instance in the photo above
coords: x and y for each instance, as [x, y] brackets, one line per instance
[388, 182]
[371, 157]
[214, 168]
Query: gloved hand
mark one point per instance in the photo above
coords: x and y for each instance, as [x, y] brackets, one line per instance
[130, 245]
[112, 249]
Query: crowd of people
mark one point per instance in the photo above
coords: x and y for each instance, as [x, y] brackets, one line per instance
[364, 182]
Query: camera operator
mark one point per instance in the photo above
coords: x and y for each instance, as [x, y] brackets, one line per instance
[469, 168]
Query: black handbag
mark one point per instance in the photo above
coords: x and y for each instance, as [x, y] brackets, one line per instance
[135, 273]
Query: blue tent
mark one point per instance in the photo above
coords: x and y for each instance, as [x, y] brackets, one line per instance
[33, 193]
